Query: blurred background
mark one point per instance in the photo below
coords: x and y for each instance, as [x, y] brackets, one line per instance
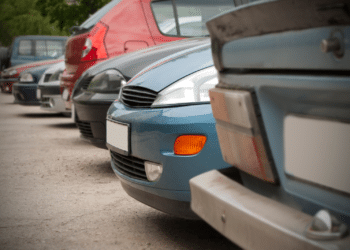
[43, 17]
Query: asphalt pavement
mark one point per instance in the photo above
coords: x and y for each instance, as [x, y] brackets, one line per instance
[59, 192]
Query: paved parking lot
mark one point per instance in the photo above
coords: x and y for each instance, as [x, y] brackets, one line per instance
[59, 192]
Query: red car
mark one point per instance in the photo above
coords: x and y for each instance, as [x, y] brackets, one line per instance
[123, 26]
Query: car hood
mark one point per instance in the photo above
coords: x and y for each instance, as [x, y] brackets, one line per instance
[26, 66]
[53, 68]
[131, 63]
[168, 70]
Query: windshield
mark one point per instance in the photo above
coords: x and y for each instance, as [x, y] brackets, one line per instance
[92, 20]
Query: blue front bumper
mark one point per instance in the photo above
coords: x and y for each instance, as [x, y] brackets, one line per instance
[153, 133]
[25, 93]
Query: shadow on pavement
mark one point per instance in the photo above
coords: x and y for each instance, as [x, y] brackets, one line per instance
[99, 172]
[63, 125]
[190, 234]
[41, 115]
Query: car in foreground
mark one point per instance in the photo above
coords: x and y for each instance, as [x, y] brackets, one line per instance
[99, 86]
[25, 90]
[49, 90]
[161, 131]
[282, 111]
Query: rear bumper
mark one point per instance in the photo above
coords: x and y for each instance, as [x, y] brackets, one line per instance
[250, 220]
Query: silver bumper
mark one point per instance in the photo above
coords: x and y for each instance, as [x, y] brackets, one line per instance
[250, 220]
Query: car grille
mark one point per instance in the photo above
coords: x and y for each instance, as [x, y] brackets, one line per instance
[85, 129]
[135, 96]
[85, 82]
[47, 77]
[129, 165]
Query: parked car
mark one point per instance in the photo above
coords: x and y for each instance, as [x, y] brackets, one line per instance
[99, 86]
[25, 90]
[11, 75]
[124, 26]
[48, 91]
[282, 111]
[161, 131]
[27, 49]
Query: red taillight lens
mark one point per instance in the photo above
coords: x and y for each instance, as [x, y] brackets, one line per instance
[238, 132]
[94, 47]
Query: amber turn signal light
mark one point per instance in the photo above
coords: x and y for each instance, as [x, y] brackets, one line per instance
[189, 144]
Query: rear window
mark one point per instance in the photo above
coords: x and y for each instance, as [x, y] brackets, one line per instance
[187, 18]
[25, 48]
[49, 48]
[95, 18]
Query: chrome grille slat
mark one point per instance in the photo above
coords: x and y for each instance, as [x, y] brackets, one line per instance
[135, 92]
[129, 165]
[136, 100]
[135, 96]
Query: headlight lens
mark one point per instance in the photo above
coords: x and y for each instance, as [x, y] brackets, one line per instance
[193, 88]
[27, 77]
[107, 81]
[56, 76]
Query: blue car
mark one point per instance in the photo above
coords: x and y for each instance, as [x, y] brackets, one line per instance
[282, 110]
[27, 49]
[25, 91]
[161, 132]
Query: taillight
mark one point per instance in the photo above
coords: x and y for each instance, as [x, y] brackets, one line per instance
[239, 133]
[87, 47]
[94, 47]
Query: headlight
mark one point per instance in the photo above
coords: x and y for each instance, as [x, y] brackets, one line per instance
[56, 76]
[107, 81]
[27, 77]
[193, 88]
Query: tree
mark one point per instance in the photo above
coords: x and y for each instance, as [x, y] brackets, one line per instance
[66, 15]
[20, 17]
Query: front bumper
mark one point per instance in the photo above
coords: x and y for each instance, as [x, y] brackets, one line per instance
[7, 83]
[251, 220]
[50, 98]
[152, 136]
[91, 110]
[25, 94]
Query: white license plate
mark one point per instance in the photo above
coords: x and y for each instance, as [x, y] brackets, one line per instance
[118, 135]
[65, 94]
[318, 151]
[38, 93]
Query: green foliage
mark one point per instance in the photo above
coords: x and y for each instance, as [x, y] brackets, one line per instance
[42, 17]
[66, 15]
[20, 17]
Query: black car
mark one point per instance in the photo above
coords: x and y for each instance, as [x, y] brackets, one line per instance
[99, 86]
